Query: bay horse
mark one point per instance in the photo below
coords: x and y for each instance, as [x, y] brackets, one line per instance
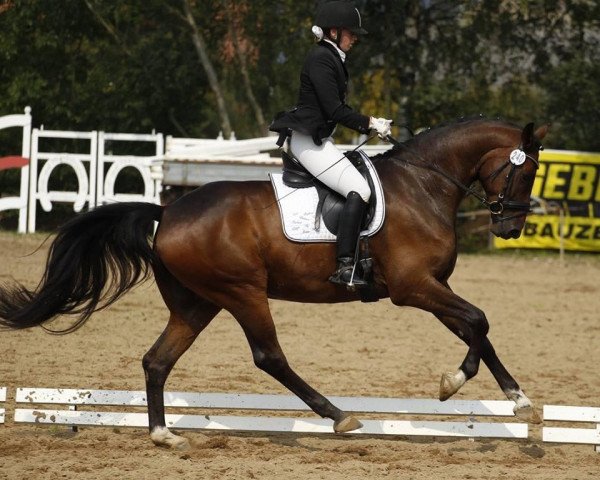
[222, 247]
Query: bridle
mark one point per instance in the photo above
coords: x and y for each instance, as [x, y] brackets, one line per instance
[496, 207]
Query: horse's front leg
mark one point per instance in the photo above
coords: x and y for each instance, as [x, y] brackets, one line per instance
[524, 408]
[434, 297]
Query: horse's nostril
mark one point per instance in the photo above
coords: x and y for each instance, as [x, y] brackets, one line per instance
[514, 233]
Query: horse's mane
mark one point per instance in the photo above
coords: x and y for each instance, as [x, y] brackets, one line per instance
[431, 134]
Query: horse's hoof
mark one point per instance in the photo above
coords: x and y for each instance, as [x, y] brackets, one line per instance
[527, 414]
[181, 444]
[346, 424]
[450, 384]
[162, 437]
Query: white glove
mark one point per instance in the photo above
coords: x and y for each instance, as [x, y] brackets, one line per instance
[382, 126]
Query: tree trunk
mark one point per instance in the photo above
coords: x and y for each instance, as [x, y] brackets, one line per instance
[114, 33]
[241, 56]
[213, 80]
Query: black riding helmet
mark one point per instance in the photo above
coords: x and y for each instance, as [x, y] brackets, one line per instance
[340, 14]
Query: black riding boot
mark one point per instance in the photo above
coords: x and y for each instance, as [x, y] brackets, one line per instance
[347, 239]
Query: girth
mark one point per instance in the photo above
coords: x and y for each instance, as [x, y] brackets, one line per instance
[331, 203]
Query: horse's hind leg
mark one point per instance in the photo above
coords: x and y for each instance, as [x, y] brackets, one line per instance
[257, 323]
[189, 316]
[523, 406]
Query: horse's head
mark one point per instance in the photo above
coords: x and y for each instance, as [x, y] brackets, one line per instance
[507, 175]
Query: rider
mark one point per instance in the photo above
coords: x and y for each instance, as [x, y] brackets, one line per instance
[321, 106]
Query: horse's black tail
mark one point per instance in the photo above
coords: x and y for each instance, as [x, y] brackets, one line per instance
[94, 259]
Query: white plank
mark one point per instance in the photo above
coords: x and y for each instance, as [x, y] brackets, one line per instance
[571, 435]
[273, 424]
[228, 401]
[2, 399]
[132, 137]
[64, 134]
[573, 414]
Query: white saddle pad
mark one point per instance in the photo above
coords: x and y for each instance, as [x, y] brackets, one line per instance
[298, 207]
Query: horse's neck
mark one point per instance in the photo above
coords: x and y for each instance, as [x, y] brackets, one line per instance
[458, 160]
[438, 162]
[441, 166]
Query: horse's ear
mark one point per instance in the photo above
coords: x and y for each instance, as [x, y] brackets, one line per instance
[541, 132]
[530, 140]
[527, 138]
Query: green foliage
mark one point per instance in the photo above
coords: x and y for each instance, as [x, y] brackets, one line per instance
[573, 104]
[132, 66]
[446, 59]
[57, 58]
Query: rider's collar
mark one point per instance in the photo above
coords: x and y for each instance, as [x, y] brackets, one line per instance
[339, 50]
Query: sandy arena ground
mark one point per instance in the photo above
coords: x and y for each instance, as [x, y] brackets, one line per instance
[545, 325]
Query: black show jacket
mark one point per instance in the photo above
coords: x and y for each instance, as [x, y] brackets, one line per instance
[322, 98]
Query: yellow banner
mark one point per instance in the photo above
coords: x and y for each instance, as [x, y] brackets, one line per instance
[569, 183]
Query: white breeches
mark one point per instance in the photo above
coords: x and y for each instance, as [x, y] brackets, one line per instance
[329, 165]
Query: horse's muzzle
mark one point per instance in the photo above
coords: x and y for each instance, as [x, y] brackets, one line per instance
[513, 233]
[505, 232]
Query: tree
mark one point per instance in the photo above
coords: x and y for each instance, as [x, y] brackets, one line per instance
[75, 75]
[236, 13]
[444, 59]
[572, 105]
[211, 74]
[137, 66]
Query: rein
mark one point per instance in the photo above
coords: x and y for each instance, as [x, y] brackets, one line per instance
[496, 207]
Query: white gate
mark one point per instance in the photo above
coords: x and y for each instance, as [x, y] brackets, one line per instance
[149, 167]
[20, 202]
[43, 163]
[95, 169]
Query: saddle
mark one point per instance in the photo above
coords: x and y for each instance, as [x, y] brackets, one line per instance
[330, 207]
[331, 203]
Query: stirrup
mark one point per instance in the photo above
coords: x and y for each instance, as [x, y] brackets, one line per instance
[343, 275]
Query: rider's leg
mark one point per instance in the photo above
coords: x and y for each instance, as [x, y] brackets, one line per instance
[347, 241]
[329, 164]
[331, 167]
